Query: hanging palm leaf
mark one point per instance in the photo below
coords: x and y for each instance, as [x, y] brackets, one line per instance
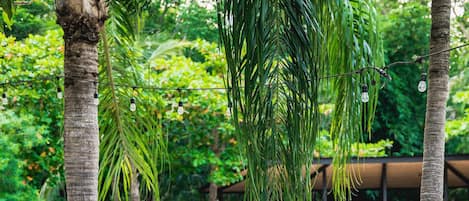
[278, 54]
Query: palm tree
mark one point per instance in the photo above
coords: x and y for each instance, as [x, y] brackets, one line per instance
[434, 135]
[279, 55]
[82, 22]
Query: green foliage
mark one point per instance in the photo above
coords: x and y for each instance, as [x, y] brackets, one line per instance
[457, 126]
[324, 147]
[196, 22]
[34, 18]
[401, 108]
[8, 9]
[148, 62]
[277, 52]
[131, 142]
[192, 137]
[17, 134]
[35, 58]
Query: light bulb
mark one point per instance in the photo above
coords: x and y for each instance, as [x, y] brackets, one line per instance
[365, 97]
[96, 98]
[133, 106]
[422, 87]
[180, 108]
[59, 93]
[4, 99]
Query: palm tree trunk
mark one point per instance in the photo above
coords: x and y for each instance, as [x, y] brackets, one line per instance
[81, 22]
[434, 136]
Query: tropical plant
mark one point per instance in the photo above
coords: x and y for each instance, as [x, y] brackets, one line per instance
[278, 54]
[431, 188]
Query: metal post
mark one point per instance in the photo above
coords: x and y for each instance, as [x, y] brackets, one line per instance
[384, 182]
[445, 190]
[220, 194]
[324, 184]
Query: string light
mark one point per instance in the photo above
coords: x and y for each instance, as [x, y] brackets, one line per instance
[180, 108]
[422, 87]
[59, 93]
[59, 89]
[95, 95]
[133, 106]
[4, 98]
[365, 97]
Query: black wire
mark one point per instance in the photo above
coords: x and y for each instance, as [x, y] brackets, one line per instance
[169, 88]
[380, 70]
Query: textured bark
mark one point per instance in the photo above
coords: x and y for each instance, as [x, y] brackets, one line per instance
[217, 149]
[212, 192]
[134, 185]
[81, 21]
[434, 136]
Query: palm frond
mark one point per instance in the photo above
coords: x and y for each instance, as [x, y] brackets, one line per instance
[129, 140]
[277, 53]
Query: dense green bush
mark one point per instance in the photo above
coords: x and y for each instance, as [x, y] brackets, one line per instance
[18, 134]
[36, 60]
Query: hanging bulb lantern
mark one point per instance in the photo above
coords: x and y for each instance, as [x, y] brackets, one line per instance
[365, 97]
[96, 98]
[180, 108]
[133, 106]
[228, 110]
[422, 87]
[95, 95]
[4, 99]
[60, 95]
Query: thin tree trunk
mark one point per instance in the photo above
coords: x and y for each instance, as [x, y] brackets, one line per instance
[434, 136]
[217, 148]
[81, 21]
[134, 185]
[212, 192]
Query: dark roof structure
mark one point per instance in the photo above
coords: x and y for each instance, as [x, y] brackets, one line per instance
[379, 173]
